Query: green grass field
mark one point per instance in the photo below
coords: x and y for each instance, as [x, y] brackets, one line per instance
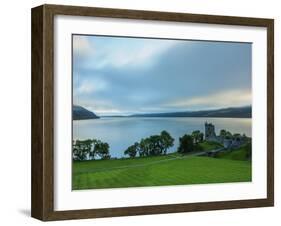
[172, 169]
[237, 154]
[208, 145]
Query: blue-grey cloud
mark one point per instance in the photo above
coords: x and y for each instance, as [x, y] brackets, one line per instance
[160, 75]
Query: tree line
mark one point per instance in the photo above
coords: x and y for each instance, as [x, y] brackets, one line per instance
[90, 149]
[153, 145]
[159, 144]
[228, 135]
[189, 143]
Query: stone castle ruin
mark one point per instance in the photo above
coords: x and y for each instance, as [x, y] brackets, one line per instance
[225, 138]
[210, 134]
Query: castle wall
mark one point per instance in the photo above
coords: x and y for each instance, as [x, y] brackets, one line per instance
[210, 135]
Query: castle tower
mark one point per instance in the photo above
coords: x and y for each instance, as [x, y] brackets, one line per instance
[210, 134]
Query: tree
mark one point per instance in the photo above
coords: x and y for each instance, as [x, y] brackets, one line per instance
[228, 135]
[167, 140]
[186, 144]
[201, 137]
[77, 154]
[197, 136]
[132, 150]
[90, 149]
[81, 149]
[155, 145]
[93, 153]
[237, 136]
[248, 149]
[144, 147]
[223, 133]
[101, 149]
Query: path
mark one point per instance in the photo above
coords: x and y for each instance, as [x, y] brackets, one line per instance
[154, 162]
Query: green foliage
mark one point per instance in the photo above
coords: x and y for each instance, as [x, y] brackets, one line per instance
[223, 133]
[167, 140]
[198, 147]
[226, 134]
[248, 150]
[89, 150]
[201, 137]
[155, 145]
[209, 145]
[81, 149]
[144, 147]
[197, 136]
[186, 144]
[235, 135]
[154, 167]
[195, 142]
[151, 146]
[101, 149]
[243, 153]
[132, 150]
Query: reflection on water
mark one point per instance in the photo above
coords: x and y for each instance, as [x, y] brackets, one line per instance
[120, 133]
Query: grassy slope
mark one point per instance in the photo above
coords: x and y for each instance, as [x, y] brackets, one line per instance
[237, 154]
[208, 145]
[158, 171]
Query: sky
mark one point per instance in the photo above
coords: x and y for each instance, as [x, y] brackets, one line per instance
[123, 76]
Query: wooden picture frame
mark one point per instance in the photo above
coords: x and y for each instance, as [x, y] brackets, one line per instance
[42, 204]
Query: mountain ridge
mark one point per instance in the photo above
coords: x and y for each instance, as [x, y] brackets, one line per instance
[230, 112]
[81, 113]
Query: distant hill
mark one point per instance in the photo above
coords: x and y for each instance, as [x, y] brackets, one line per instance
[232, 112]
[80, 113]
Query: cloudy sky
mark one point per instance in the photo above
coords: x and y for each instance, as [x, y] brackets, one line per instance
[122, 76]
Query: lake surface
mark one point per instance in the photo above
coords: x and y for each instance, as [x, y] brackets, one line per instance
[120, 132]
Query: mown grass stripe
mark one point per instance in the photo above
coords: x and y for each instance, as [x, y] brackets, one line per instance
[192, 170]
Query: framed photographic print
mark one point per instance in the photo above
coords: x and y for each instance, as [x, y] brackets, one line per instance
[142, 112]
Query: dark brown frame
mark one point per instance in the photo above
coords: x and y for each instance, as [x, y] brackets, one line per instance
[42, 203]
